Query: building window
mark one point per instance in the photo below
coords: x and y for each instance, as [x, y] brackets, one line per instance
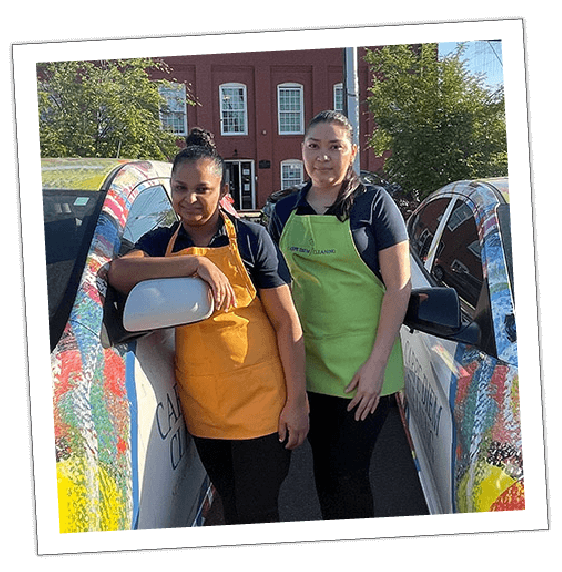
[290, 109]
[338, 97]
[291, 173]
[234, 109]
[173, 113]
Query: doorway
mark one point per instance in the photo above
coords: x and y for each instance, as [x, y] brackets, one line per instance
[240, 176]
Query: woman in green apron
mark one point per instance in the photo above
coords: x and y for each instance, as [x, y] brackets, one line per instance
[347, 249]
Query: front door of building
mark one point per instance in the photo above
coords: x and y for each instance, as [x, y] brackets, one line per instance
[240, 176]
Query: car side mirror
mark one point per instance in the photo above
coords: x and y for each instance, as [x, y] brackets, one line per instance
[167, 302]
[437, 311]
[113, 332]
[434, 311]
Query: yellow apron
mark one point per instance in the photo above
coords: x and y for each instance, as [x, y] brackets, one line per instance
[230, 379]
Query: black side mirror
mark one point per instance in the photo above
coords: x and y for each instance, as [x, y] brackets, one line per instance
[113, 331]
[437, 311]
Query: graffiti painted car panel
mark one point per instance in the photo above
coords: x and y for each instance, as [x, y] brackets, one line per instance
[461, 400]
[124, 457]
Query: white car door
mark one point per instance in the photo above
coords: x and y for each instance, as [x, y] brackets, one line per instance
[172, 481]
[429, 372]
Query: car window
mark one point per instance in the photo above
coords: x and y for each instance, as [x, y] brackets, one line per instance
[69, 222]
[152, 208]
[423, 225]
[457, 262]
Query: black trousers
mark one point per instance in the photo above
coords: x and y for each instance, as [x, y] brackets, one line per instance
[247, 475]
[341, 452]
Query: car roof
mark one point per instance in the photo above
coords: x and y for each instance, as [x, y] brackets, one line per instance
[498, 185]
[89, 174]
[77, 173]
[501, 184]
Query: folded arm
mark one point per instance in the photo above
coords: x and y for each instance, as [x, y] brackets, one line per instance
[136, 266]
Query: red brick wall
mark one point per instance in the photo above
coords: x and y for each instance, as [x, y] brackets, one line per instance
[316, 70]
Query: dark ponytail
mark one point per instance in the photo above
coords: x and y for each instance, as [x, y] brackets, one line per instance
[351, 183]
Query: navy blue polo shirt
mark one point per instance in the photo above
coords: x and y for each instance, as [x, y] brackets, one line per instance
[261, 256]
[376, 222]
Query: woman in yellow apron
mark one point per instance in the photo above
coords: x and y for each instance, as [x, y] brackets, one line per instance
[346, 247]
[240, 373]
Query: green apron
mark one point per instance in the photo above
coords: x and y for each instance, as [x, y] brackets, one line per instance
[338, 299]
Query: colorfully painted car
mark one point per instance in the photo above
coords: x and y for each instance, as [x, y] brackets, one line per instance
[123, 455]
[461, 396]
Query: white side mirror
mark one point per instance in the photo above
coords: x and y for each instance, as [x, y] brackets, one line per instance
[167, 302]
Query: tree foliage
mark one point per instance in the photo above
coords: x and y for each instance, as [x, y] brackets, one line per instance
[106, 108]
[440, 122]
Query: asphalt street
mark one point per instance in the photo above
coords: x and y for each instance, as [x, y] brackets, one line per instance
[394, 480]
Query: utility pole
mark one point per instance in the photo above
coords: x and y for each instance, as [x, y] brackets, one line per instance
[351, 96]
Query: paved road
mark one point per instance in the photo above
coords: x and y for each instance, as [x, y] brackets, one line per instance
[396, 488]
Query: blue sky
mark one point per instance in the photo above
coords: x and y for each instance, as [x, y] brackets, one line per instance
[482, 56]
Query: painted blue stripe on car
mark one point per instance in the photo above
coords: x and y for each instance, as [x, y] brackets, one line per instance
[133, 425]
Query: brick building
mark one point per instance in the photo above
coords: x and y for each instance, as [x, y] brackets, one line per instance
[258, 105]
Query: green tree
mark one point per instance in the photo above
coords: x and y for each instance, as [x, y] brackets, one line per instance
[440, 121]
[106, 108]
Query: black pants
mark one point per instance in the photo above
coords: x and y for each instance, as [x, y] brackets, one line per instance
[247, 475]
[341, 452]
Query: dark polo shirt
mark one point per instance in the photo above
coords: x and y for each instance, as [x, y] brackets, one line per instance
[261, 257]
[376, 222]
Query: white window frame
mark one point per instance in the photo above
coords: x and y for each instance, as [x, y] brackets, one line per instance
[338, 94]
[294, 163]
[296, 87]
[176, 108]
[223, 110]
